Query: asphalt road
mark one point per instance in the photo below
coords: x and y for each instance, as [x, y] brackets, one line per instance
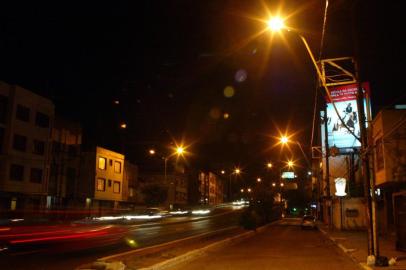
[152, 234]
[281, 247]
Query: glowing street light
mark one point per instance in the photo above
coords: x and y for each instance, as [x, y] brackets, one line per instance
[282, 184]
[123, 125]
[284, 140]
[275, 23]
[180, 150]
[223, 171]
[269, 165]
[242, 190]
[259, 179]
[291, 164]
[248, 190]
[273, 184]
[236, 171]
[151, 151]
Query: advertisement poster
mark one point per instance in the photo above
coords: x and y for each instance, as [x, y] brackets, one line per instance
[345, 100]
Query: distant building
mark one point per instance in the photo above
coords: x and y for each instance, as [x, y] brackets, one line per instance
[66, 138]
[389, 149]
[101, 179]
[175, 183]
[131, 192]
[211, 188]
[25, 127]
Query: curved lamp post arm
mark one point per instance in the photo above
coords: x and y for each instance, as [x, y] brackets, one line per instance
[323, 82]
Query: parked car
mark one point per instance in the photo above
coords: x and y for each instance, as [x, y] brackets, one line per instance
[308, 222]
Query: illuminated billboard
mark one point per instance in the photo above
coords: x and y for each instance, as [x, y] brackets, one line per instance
[345, 100]
[288, 175]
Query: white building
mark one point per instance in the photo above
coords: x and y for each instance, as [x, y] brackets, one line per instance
[25, 124]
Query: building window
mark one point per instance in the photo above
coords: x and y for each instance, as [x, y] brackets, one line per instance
[23, 113]
[36, 175]
[42, 120]
[117, 167]
[3, 108]
[101, 184]
[111, 162]
[116, 187]
[39, 147]
[16, 172]
[19, 142]
[109, 183]
[102, 163]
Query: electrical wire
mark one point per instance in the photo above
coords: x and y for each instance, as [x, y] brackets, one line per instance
[319, 58]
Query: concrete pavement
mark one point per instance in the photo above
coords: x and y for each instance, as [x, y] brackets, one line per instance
[282, 246]
[354, 244]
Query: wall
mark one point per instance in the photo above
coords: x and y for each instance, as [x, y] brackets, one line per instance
[353, 214]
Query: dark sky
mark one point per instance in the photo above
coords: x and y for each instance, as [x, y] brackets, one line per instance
[168, 62]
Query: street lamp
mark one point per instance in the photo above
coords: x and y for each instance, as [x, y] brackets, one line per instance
[276, 24]
[259, 180]
[236, 171]
[284, 140]
[179, 151]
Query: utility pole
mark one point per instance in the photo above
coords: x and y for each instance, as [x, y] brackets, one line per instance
[369, 185]
[327, 177]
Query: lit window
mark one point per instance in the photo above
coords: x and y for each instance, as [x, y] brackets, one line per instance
[102, 163]
[116, 187]
[101, 184]
[117, 167]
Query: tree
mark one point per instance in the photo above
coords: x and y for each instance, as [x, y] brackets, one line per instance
[154, 194]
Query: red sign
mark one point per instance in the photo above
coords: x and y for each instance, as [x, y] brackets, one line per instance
[347, 92]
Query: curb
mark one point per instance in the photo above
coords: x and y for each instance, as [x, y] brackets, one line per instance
[201, 251]
[347, 251]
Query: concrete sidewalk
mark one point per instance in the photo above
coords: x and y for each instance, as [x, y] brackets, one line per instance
[355, 245]
[281, 246]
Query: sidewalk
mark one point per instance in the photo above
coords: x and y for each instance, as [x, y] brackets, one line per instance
[354, 244]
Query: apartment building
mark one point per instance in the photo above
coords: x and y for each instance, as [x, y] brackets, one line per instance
[25, 124]
[66, 141]
[101, 179]
[211, 188]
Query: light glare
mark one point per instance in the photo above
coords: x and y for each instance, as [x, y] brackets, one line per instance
[275, 24]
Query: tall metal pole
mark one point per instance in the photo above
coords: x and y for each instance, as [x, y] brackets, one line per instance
[327, 173]
[369, 192]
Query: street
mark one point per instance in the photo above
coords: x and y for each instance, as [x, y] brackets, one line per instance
[144, 235]
[281, 247]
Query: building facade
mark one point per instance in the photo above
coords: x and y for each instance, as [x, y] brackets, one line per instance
[131, 189]
[211, 188]
[66, 140]
[25, 126]
[101, 179]
[389, 163]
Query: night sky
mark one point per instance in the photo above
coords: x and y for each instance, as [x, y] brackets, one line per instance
[168, 63]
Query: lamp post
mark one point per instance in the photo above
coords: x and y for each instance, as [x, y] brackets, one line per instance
[276, 24]
[236, 171]
[284, 140]
[178, 151]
